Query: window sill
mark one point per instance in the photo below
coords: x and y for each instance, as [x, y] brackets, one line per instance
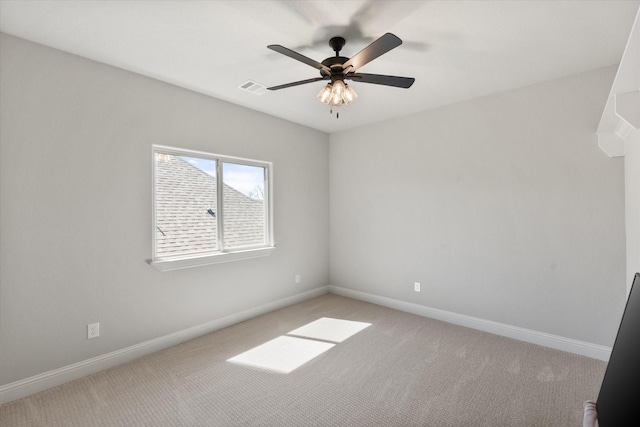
[195, 261]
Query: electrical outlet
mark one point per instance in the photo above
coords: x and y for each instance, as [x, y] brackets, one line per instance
[416, 286]
[93, 330]
[297, 278]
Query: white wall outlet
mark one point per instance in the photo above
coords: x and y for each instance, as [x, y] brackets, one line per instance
[416, 286]
[297, 278]
[93, 330]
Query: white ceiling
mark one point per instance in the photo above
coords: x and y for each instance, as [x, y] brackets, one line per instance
[456, 50]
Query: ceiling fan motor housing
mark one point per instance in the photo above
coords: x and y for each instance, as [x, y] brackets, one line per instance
[335, 62]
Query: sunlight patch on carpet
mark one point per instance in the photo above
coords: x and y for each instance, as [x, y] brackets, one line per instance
[283, 354]
[328, 329]
[287, 353]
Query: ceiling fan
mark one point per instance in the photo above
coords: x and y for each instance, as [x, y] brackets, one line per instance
[338, 68]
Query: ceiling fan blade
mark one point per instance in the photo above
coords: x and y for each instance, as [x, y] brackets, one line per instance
[379, 79]
[379, 47]
[299, 57]
[301, 82]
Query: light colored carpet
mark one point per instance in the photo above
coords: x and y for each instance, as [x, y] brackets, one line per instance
[403, 370]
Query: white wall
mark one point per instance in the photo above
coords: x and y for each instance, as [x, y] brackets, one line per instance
[632, 204]
[628, 81]
[503, 207]
[75, 209]
[619, 135]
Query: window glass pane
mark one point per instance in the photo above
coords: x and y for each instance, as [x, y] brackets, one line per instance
[186, 206]
[244, 209]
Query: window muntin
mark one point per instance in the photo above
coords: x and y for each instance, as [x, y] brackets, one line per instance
[188, 213]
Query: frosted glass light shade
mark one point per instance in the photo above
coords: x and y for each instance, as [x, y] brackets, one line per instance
[349, 95]
[337, 93]
[324, 95]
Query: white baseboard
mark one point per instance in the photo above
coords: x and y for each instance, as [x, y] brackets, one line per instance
[27, 386]
[582, 348]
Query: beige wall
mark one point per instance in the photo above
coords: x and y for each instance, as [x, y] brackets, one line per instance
[75, 209]
[503, 207]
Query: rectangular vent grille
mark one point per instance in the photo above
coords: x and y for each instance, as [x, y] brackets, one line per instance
[253, 87]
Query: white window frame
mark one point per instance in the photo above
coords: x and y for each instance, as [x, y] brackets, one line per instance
[222, 254]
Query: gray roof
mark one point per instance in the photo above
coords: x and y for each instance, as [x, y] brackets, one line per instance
[184, 195]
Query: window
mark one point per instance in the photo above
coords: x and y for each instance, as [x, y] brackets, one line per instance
[209, 208]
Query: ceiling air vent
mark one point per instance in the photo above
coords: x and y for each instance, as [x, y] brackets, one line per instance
[253, 87]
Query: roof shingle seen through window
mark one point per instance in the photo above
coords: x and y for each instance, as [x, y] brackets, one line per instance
[185, 198]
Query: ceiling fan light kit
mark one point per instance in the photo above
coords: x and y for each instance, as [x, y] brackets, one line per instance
[337, 93]
[338, 68]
